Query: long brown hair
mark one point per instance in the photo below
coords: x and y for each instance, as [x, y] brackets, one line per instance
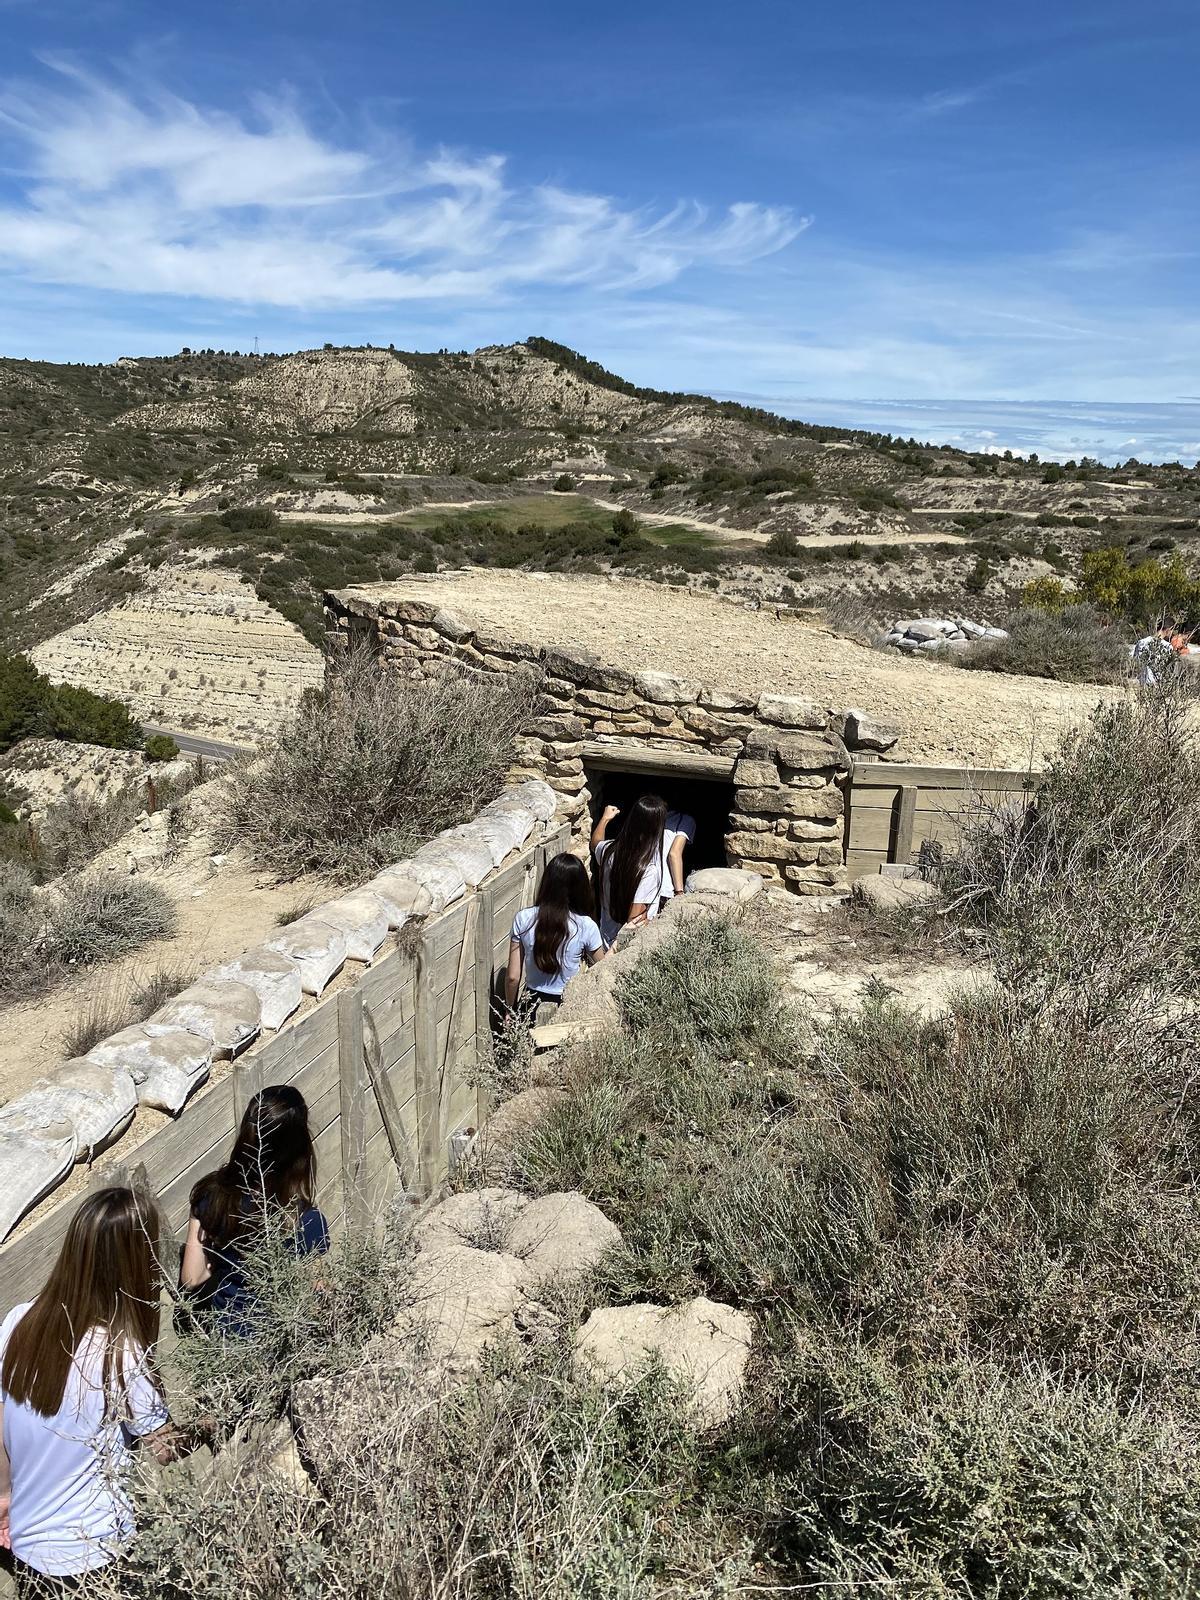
[638, 844]
[106, 1277]
[272, 1163]
[564, 889]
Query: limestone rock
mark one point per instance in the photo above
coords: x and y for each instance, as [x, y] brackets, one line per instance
[702, 1344]
[512, 1121]
[219, 1009]
[275, 979]
[787, 802]
[733, 881]
[807, 753]
[317, 948]
[480, 1218]
[560, 1236]
[165, 1063]
[752, 774]
[464, 1299]
[664, 689]
[30, 1164]
[865, 732]
[788, 711]
[360, 917]
[893, 894]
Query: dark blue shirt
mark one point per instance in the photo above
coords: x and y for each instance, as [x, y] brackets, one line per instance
[227, 1297]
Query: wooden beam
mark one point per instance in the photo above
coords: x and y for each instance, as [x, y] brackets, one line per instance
[895, 774]
[645, 758]
[351, 1105]
[906, 810]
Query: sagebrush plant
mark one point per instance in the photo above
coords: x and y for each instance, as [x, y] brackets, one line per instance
[1074, 644]
[373, 766]
[80, 922]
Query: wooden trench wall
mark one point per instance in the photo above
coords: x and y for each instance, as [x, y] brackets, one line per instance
[892, 808]
[385, 1063]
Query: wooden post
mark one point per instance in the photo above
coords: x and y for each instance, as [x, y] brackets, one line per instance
[245, 1083]
[425, 1067]
[352, 1107]
[485, 988]
[906, 812]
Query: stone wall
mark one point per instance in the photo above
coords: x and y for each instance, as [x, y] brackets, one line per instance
[786, 757]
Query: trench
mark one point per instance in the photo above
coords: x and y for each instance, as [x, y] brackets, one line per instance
[708, 799]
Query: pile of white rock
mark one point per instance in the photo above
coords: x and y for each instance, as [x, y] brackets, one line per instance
[939, 633]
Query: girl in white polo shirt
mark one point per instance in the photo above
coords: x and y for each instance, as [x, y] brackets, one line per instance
[633, 868]
[77, 1389]
[551, 939]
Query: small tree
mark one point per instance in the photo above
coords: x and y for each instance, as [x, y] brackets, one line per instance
[564, 483]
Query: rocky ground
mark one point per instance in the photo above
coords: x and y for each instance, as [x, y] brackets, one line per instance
[949, 717]
[194, 651]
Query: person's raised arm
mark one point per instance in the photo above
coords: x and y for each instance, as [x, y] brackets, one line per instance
[512, 976]
[600, 831]
[194, 1271]
[675, 860]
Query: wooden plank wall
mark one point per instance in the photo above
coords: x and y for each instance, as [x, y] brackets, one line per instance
[892, 807]
[386, 1065]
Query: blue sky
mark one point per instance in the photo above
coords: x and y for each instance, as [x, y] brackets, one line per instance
[778, 200]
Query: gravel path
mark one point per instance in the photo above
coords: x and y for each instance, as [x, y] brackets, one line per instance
[949, 716]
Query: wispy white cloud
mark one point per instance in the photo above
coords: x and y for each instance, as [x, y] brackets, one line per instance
[151, 194]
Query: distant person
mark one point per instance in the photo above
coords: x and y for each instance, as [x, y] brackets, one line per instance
[78, 1390]
[679, 834]
[1153, 654]
[633, 867]
[551, 939]
[271, 1175]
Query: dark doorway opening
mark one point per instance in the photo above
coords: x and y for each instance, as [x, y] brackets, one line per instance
[709, 800]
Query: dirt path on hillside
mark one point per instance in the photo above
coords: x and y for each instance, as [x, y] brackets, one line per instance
[949, 716]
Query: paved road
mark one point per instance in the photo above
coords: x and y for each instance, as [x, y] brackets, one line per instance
[193, 745]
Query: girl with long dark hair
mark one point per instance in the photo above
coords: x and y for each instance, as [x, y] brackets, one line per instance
[551, 939]
[632, 867]
[271, 1173]
[77, 1388]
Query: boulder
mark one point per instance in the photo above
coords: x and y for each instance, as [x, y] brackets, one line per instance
[96, 1102]
[735, 882]
[165, 1063]
[220, 1009]
[275, 979]
[401, 896]
[892, 894]
[480, 1218]
[317, 948]
[923, 630]
[464, 1299]
[559, 1236]
[787, 711]
[360, 917]
[865, 732]
[31, 1164]
[664, 689]
[703, 1345]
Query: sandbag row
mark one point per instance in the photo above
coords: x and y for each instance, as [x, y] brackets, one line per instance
[85, 1105]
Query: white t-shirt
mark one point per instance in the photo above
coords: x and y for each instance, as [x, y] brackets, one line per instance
[649, 890]
[583, 936]
[678, 822]
[68, 1513]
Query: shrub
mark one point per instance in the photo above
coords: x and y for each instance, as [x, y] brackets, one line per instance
[564, 483]
[1074, 645]
[31, 705]
[91, 920]
[372, 767]
[782, 545]
[161, 747]
[1046, 594]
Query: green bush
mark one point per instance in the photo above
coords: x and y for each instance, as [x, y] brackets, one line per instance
[160, 747]
[564, 483]
[91, 920]
[31, 706]
[1076, 644]
[372, 767]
